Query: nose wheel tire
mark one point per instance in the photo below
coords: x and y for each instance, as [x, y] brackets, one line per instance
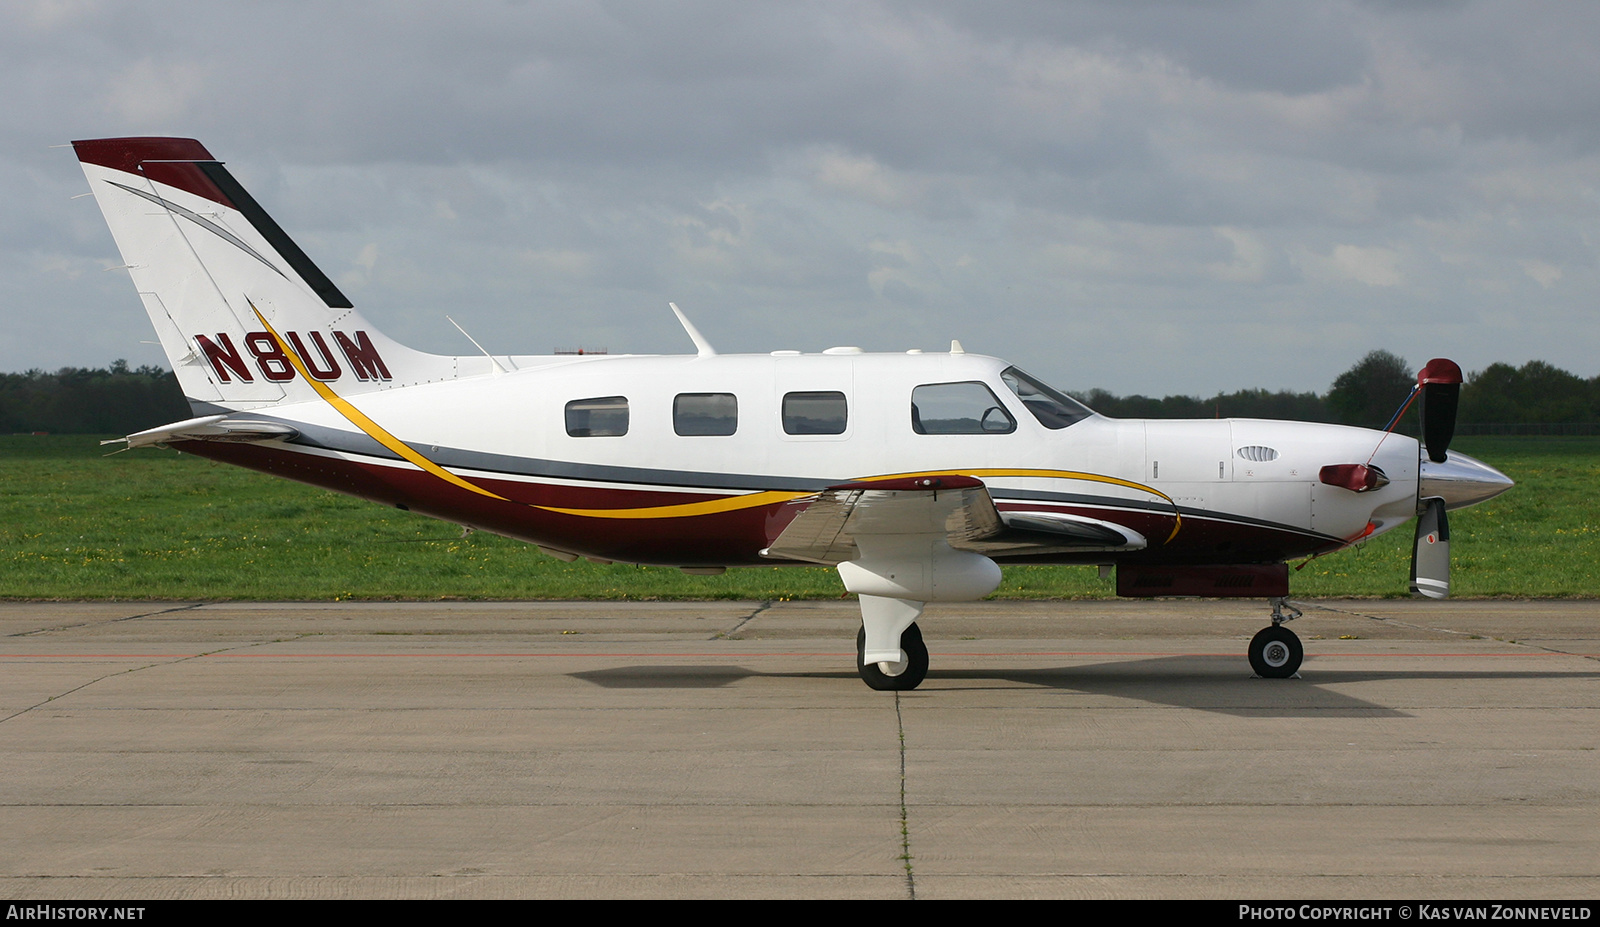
[1275, 653]
[895, 677]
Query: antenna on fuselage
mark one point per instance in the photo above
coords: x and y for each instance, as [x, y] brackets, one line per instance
[702, 347]
[497, 368]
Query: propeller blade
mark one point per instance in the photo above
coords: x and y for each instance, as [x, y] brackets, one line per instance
[1430, 559]
[1440, 381]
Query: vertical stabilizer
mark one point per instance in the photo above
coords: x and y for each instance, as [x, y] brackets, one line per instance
[233, 299]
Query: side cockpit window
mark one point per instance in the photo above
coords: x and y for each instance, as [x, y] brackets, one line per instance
[1053, 408]
[605, 416]
[818, 413]
[705, 414]
[958, 409]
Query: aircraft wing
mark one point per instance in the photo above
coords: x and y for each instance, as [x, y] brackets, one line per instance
[209, 428]
[957, 507]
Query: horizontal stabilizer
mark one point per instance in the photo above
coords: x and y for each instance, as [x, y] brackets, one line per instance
[209, 428]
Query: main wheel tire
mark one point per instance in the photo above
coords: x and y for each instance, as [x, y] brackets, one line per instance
[1275, 653]
[895, 677]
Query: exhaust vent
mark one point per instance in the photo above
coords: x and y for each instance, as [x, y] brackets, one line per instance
[1258, 453]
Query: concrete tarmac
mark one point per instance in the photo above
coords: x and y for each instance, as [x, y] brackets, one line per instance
[1431, 750]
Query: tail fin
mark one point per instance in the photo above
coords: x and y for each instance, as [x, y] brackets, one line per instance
[244, 315]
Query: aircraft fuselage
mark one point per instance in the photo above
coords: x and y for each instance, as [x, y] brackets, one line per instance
[637, 490]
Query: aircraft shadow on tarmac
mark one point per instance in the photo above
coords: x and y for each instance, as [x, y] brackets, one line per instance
[1199, 682]
[709, 676]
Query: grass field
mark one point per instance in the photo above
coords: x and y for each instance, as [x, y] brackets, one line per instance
[155, 524]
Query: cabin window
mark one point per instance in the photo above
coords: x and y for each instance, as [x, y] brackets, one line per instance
[958, 409]
[1053, 409]
[705, 414]
[819, 413]
[605, 416]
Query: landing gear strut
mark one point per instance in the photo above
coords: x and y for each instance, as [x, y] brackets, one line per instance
[901, 676]
[1275, 652]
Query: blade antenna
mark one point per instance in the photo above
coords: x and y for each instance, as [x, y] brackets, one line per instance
[497, 368]
[702, 347]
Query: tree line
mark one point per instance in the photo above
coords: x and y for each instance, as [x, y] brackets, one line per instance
[80, 400]
[1369, 393]
[120, 399]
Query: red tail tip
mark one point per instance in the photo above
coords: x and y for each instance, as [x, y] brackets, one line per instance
[125, 154]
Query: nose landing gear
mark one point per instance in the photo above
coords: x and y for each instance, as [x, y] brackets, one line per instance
[1275, 652]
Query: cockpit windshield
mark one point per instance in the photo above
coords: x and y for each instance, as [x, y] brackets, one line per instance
[1053, 409]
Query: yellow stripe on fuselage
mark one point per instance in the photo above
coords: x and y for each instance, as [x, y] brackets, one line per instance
[360, 420]
[677, 510]
[734, 503]
[686, 509]
[1035, 474]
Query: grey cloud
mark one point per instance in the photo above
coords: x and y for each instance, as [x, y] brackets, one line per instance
[1143, 197]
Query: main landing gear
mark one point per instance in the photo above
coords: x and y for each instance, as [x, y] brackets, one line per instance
[1275, 652]
[900, 676]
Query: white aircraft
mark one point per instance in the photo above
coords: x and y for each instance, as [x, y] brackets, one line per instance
[914, 474]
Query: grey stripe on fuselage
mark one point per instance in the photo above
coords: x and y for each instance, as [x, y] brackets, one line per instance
[334, 439]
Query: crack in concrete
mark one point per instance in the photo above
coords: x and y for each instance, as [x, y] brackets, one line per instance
[1470, 635]
[728, 634]
[1394, 621]
[135, 669]
[85, 624]
[905, 821]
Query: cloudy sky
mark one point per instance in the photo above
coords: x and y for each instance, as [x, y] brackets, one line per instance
[1151, 197]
